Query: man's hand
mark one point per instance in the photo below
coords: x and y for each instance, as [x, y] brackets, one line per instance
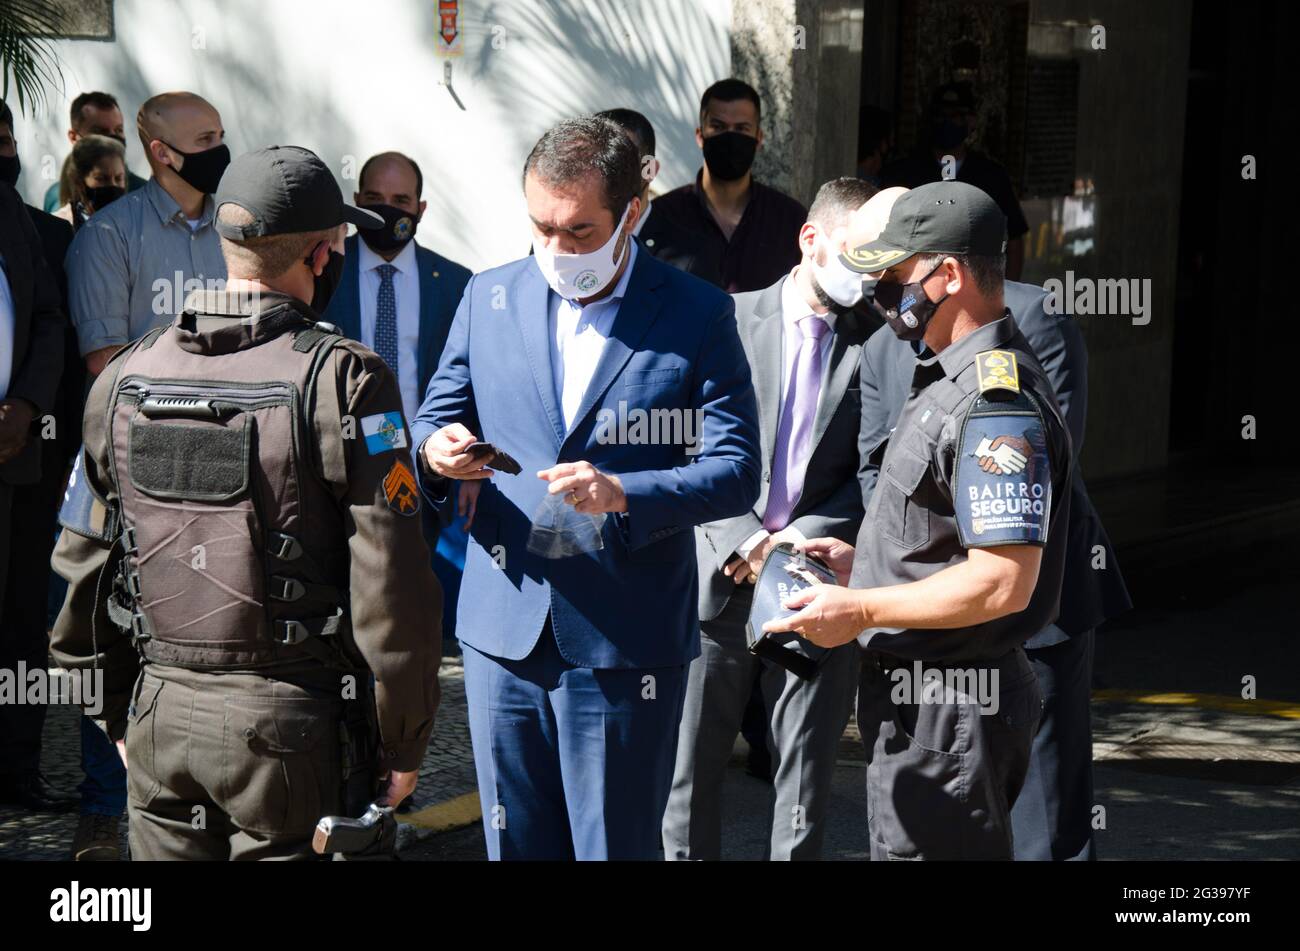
[121, 751]
[444, 453]
[96, 360]
[838, 555]
[831, 615]
[399, 786]
[746, 570]
[467, 502]
[15, 425]
[585, 487]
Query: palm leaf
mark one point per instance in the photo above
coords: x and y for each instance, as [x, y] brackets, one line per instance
[27, 59]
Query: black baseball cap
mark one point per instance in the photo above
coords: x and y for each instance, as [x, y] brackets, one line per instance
[287, 190]
[939, 218]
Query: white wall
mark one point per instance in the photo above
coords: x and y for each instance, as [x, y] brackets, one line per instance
[350, 79]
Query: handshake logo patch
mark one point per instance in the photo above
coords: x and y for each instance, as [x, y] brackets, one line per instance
[1003, 455]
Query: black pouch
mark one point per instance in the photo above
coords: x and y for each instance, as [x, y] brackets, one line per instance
[181, 461]
[775, 583]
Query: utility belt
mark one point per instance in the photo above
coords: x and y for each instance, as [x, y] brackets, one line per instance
[319, 637]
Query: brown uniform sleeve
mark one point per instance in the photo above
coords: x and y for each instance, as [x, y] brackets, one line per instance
[83, 637]
[396, 599]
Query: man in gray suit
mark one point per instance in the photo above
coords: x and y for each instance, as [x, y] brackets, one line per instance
[803, 340]
[1052, 815]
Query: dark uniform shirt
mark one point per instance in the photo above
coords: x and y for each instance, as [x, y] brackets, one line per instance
[764, 247]
[969, 465]
[976, 169]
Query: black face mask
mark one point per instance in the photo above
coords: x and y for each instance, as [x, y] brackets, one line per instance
[10, 167]
[729, 155]
[328, 281]
[103, 195]
[398, 228]
[203, 170]
[905, 307]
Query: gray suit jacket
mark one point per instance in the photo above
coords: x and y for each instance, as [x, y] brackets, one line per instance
[1088, 596]
[831, 502]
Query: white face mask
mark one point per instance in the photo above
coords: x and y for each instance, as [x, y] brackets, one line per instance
[580, 275]
[840, 284]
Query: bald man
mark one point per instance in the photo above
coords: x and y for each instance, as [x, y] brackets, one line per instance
[398, 298]
[130, 268]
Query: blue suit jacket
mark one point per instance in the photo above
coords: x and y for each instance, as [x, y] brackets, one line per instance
[673, 346]
[442, 282]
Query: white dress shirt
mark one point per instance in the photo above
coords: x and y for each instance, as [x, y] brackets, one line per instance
[793, 309]
[578, 336]
[406, 293]
[6, 331]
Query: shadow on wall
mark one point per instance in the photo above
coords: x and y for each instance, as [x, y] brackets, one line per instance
[526, 65]
[565, 58]
[252, 104]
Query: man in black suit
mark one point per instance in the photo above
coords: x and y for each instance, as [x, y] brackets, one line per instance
[1052, 816]
[32, 328]
[803, 340]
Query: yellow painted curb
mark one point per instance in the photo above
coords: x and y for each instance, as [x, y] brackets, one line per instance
[1210, 701]
[445, 816]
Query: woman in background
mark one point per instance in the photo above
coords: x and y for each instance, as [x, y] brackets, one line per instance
[94, 175]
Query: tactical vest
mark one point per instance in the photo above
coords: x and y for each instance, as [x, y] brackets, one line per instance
[235, 548]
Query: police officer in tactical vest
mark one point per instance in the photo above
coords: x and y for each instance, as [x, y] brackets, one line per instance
[962, 548]
[243, 548]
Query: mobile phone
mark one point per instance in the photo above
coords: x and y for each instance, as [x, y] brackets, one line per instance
[493, 457]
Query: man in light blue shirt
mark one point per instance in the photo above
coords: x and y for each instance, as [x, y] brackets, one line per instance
[132, 264]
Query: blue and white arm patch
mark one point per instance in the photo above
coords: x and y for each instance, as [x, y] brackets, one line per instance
[384, 432]
[1002, 486]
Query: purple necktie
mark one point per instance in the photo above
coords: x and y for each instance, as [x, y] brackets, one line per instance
[794, 434]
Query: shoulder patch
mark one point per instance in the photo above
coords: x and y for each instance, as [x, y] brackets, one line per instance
[997, 370]
[383, 432]
[400, 489]
[1002, 484]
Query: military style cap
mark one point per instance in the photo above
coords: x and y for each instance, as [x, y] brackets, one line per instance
[939, 218]
[288, 190]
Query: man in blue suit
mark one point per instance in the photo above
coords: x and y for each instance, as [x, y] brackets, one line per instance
[620, 386]
[398, 298]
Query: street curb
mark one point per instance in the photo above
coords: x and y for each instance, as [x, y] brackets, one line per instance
[455, 813]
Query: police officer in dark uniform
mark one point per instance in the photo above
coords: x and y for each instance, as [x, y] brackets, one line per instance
[961, 552]
[244, 548]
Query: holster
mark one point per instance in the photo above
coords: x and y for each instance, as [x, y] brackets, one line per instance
[359, 735]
